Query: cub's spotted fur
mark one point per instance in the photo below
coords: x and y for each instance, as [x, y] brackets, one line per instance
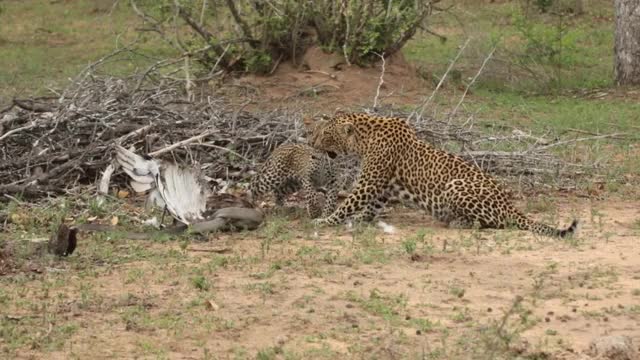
[397, 165]
[292, 167]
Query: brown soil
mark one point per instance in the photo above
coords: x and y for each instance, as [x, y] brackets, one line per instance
[324, 82]
[356, 296]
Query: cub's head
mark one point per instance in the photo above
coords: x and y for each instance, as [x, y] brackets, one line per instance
[334, 135]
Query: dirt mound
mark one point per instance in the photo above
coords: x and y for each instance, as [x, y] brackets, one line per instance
[325, 81]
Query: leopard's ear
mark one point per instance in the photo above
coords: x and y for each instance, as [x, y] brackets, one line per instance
[308, 121]
[340, 112]
[347, 129]
[311, 123]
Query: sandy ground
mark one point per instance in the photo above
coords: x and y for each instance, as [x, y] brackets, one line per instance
[287, 292]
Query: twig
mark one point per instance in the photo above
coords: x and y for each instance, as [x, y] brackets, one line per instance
[546, 147]
[17, 130]
[234, 119]
[466, 90]
[442, 38]
[29, 189]
[246, 31]
[332, 76]
[134, 133]
[13, 199]
[276, 63]
[347, 33]
[187, 79]
[143, 15]
[32, 106]
[6, 109]
[582, 131]
[516, 135]
[217, 251]
[202, 10]
[427, 101]
[503, 322]
[207, 36]
[224, 149]
[182, 143]
[375, 99]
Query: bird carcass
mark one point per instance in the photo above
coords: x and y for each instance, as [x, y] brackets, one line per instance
[182, 192]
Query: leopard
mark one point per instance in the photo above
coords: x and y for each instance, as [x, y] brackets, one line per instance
[293, 167]
[396, 165]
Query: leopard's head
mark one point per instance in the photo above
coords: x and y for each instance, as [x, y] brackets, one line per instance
[334, 135]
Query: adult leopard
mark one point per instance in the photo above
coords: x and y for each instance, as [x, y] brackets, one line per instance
[397, 165]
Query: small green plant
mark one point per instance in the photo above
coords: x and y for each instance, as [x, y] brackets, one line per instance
[497, 337]
[409, 246]
[268, 353]
[461, 315]
[423, 325]
[457, 291]
[200, 283]
[98, 207]
[134, 275]
[379, 304]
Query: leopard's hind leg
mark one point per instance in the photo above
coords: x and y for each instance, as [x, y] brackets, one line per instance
[475, 205]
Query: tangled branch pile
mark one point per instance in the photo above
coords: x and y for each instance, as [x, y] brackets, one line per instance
[53, 146]
[50, 146]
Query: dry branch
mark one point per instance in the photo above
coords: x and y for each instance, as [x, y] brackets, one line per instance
[71, 145]
[44, 153]
[427, 101]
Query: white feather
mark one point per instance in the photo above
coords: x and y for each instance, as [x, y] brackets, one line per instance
[152, 222]
[141, 187]
[138, 168]
[386, 228]
[184, 195]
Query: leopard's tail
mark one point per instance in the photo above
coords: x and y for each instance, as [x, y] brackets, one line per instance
[525, 223]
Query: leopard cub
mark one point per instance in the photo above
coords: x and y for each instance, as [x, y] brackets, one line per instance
[294, 167]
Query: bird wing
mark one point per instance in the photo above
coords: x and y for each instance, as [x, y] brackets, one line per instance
[141, 171]
[180, 189]
[183, 193]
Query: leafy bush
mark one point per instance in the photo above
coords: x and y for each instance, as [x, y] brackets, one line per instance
[548, 44]
[255, 35]
[548, 41]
